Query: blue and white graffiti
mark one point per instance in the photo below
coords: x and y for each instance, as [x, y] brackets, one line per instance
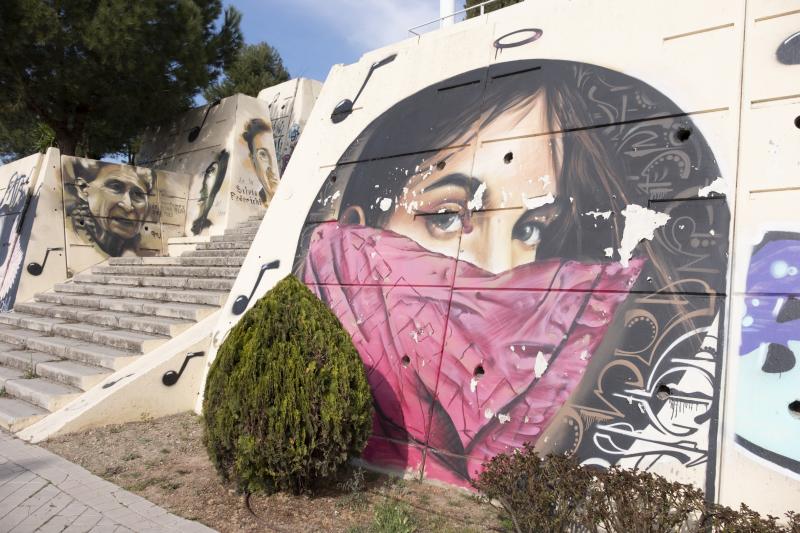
[768, 392]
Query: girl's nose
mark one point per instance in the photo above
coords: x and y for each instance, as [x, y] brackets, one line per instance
[489, 244]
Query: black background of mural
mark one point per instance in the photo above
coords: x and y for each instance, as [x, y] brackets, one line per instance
[658, 159]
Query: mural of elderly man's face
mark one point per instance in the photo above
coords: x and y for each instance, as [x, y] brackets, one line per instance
[117, 199]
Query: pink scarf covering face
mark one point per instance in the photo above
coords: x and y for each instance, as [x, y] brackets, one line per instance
[426, 325]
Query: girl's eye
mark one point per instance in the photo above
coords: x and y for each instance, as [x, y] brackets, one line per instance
[528, 232]
[442, 225]
[262, 154]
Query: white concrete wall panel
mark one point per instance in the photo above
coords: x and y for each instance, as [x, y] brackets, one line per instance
[46, 246]
[17, 181]
[540, 201]
[760, 464]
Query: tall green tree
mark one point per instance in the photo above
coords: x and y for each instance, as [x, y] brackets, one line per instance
[488, 7]
[96, 72]
[256, 67]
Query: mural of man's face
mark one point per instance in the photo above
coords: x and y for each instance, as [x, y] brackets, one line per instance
[261, 159]
[117, 199]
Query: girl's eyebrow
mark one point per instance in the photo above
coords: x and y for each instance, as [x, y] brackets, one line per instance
[457, 179]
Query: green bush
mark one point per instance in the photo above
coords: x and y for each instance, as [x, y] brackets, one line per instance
[555, 493]
[287, 401]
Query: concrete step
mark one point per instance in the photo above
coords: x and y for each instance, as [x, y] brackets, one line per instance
[181, 310]
[42, 392]
[172, 282]
[235, 245]
[31, 322]
[234, 252]
[207, 297]
[16, 414]
[176, 261]
[8, 373]
[123, 339]
[187, 271]
[234, 237]
[67, 348]
[73, 373]
[12, 356]
[250, 227]
[224, 261]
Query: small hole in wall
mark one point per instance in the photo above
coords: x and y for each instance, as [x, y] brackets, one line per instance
[683, 134]
[663, 392]
[508, 158]
[405, 361]
[80, 222]
[441, 164]
[333, 178]
[797, 122]
[794, 408]
[479, 371]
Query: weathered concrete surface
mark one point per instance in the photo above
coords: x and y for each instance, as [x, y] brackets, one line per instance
[40, 491]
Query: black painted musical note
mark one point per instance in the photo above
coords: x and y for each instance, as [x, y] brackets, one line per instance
[241, 301]
[171, 377]
[522, 37]
[788, 53]
[344, 108]
[195, 133]
[35, 269]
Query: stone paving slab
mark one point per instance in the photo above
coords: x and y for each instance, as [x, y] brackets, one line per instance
[40, 491]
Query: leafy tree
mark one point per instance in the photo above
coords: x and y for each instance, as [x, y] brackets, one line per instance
[287, 401]
[256, 67]
[96, 72]
[499, 4]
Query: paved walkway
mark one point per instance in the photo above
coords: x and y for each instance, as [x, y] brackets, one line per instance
[40, 491]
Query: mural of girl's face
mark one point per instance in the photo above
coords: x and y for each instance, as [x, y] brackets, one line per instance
[485, 206]
[471, 358]
[117, 199]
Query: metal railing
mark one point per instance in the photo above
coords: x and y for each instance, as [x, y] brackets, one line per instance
[481, 7]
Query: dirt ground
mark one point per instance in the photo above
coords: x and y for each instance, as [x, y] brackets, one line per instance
[164, 461]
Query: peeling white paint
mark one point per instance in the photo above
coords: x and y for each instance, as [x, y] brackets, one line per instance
[504, 418]
[538, 201]
[540, 366]
[609, 251]
[386, 204]
[477, 199]
[640, 224]
[599, 214]
[473, 384]
[719, 186]
[488, 414]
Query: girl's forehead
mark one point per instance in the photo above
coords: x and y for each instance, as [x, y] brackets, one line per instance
[481, 153]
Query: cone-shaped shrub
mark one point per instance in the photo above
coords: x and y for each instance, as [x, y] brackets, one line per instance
[287, 401]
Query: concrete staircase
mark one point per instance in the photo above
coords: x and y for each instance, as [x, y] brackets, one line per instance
[66, 341]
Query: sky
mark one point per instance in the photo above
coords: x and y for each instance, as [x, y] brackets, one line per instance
[313, 35]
